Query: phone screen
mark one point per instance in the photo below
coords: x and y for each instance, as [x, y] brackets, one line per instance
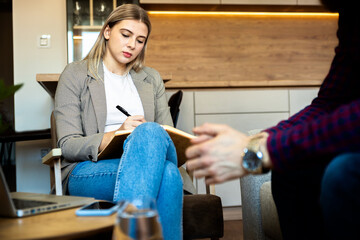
[102, 208]
[100, 205]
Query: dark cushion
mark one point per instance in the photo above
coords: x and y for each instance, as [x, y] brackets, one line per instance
[202, 216]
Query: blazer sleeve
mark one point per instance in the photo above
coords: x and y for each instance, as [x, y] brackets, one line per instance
[72, 139]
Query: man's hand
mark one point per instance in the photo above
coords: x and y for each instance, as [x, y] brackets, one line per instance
[216, 153]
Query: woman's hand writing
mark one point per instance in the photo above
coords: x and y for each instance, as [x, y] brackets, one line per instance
[130, 123]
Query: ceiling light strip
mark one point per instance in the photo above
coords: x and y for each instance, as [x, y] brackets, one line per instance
[245, 13]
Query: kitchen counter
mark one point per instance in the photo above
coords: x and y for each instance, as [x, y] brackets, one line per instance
[49, 83]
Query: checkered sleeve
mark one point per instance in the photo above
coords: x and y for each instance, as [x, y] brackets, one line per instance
[321, 138]
[331, 124]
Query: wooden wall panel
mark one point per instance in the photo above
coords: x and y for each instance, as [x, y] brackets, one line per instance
[236, 50]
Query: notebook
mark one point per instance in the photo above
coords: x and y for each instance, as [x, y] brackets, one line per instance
[180, 138]
[21, 204]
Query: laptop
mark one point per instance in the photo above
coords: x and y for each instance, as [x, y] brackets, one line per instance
[21, 204]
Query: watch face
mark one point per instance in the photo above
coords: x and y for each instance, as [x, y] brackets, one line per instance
[252, 160]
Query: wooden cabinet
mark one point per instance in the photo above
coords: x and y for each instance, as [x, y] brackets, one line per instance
[181, 1]
[242, 109]
[300, 97]
[274, 2]
[309, 2]
[87, 14]
[260, 2]
[236, 2]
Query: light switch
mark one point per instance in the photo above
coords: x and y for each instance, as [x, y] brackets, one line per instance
[44, 41]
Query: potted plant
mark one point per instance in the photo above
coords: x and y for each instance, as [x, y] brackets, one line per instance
[6, 92]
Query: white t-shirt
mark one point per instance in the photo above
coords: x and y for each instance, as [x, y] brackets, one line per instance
[120, 90]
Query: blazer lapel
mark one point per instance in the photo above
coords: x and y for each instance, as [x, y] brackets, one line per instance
[146, 93]
[97, 92]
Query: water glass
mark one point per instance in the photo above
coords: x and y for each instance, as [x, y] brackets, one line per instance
[137, 219]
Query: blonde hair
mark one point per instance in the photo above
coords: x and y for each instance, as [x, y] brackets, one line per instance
[123, 12]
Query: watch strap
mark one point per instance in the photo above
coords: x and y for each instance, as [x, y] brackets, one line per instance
[254, 145]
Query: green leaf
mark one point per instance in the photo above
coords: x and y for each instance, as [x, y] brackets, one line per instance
[8, 91]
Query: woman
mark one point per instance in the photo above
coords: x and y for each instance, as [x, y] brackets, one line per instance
[86, 118]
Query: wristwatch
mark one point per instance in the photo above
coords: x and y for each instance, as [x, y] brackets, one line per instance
[253, 157]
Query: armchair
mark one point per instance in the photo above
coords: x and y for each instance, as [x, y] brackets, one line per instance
[260, 218]
[202, 213]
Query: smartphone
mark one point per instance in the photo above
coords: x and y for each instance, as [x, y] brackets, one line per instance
[98, 208]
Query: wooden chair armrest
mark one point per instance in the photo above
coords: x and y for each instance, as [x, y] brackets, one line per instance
[210, 189]
[49, 158]
[53, 159]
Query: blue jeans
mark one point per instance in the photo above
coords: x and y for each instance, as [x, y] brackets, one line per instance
[320, 202]
[340, 197]
[147, 168]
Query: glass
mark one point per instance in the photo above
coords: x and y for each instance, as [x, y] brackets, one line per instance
[80, 28]
[137, 219]
[102, 9]
[84, 21]
[80, 14]
[120, 2]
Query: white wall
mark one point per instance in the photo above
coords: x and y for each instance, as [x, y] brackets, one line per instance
[31, 174]
[33, 105]
[32, 18]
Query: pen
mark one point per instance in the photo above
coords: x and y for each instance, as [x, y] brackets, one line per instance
[123, 111]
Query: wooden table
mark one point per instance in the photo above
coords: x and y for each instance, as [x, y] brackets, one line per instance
[63, 224]
[48, 82]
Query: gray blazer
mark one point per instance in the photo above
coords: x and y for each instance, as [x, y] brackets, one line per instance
[80, 110]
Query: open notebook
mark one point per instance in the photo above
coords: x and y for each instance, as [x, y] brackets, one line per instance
[180, 138]
[20, 204]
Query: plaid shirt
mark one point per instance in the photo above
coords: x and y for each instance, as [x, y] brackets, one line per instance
[331, 124]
